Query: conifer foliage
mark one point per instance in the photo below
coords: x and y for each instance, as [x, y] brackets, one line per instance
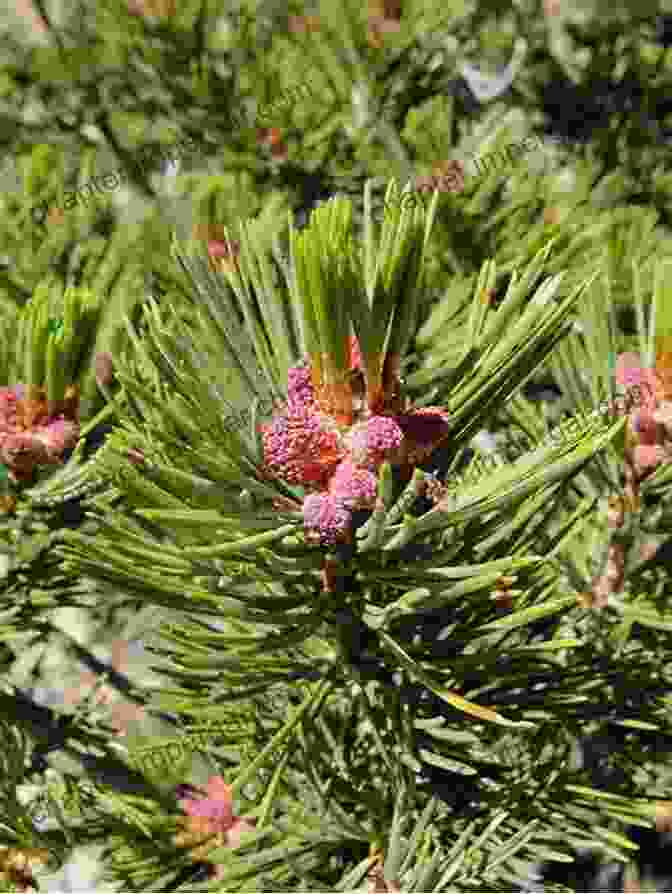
[388, 686]
[381, 647]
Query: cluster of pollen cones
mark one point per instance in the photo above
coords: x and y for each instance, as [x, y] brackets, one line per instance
[335, 432]
[210, 821]
[35, 431]
[648, 446]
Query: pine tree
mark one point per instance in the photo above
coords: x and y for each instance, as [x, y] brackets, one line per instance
[289, 483]
[386, 675]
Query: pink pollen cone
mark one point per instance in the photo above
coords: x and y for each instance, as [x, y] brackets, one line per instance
[215, 806]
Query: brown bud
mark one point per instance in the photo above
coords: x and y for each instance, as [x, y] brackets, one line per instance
[279, 151]
[615, 565]
[7, 504]
[506, 580]
[104, 368]
[424, 184]
[208, 231]
[503, 599]
[598, 598]
[136, 457]
[301, 24]
[56, 216]
[272, 137]
[449, 176]
[551, 216]
[384, 16]
[552, 7]
[647, 551]
[269, 136]
[155, 8]
[27, 11]
[329, 575]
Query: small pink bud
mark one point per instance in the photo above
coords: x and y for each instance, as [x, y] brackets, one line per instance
[223, 253]
[647, 456]
[217, 249]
